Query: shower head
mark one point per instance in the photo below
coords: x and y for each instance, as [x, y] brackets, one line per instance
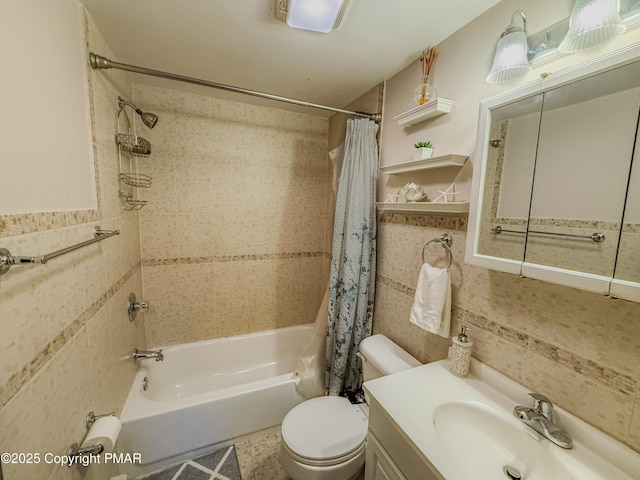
[149, 119]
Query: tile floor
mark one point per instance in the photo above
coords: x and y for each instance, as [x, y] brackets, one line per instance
[258, 457]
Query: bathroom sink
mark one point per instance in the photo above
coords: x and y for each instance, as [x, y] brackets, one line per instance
[464, 428]
[493, 444]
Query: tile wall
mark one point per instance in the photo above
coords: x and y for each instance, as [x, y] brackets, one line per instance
[233, 237]
[65, 335]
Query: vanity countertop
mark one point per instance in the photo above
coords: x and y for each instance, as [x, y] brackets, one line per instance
[465, 427]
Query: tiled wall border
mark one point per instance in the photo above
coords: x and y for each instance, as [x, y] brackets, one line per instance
[588, 368]
[19, 379]
[154, 262]
[421, 220]
[24, 223]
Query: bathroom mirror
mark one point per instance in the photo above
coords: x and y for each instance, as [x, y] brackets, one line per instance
[511, 156]
[556, 179]
[627, 273]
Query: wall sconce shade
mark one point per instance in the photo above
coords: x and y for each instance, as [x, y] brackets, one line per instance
[592, 22]
[510, 60]
[315, 15]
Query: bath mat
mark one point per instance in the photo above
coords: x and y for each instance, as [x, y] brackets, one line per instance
[219, 465]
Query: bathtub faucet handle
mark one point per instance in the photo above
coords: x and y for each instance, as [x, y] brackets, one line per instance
[134, 306]
[141, 305]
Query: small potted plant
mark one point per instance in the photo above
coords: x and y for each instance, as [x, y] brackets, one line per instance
[423, 150]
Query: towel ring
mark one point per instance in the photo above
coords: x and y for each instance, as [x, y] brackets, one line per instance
[445, 240]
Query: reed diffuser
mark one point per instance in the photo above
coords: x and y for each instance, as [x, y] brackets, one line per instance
[425, 92]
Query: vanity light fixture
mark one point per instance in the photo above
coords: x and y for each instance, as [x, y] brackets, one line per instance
[315, 15]
[510, 61]
[592, 22]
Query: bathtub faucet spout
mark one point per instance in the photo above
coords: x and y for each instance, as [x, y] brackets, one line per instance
[142, 354]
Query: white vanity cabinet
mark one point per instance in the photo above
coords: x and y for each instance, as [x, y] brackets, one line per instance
[390, 454]
[379, 465]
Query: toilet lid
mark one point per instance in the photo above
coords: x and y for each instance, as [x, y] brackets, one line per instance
[324, 428]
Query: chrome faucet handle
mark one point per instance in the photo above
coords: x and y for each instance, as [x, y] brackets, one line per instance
[134, 306]
[542, 405]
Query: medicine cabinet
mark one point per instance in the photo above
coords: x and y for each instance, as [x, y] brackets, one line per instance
[557, 194]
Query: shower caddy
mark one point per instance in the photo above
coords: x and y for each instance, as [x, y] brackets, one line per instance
[132, 146]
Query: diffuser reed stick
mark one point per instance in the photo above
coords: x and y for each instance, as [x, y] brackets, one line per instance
[426, 58]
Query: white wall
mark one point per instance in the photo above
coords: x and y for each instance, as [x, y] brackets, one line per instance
[45, 128]
[584, 156]
[579, 155]
[517, 170]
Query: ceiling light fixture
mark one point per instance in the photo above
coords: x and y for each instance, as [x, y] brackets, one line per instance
[510, 61]
[315, 15]
[592, 22]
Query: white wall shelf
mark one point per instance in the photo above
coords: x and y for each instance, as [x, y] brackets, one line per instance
[433, 162]
[449, 208]
[432, 109]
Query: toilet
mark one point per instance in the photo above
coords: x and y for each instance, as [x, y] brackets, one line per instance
[324, 438]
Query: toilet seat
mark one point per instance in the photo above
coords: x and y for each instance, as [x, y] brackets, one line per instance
[325, 431]
[328, 462]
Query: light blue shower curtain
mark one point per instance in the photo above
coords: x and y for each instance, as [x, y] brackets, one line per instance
[353, 257]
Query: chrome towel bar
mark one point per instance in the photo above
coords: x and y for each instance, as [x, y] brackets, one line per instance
[7, 260]
[596, 237]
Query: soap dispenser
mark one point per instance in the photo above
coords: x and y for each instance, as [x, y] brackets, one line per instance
[461, 353]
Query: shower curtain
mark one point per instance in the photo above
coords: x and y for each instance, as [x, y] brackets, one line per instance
[353, 257]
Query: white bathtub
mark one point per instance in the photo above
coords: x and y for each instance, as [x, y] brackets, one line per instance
[207, 393]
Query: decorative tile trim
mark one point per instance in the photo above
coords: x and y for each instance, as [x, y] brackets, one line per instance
[569, 223]
[154, 262]
[388, 282]
[558, 222]
[419, 220]
[598, 373]
[506, 333]
[23, 223]
[604, 375]
[19, 379]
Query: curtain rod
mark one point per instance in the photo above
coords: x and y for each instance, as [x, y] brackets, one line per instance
[99, 62]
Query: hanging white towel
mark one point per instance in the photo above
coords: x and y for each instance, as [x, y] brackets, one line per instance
[431, 308]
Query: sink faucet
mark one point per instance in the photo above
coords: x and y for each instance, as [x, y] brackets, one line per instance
[542, 419]
[142, 354]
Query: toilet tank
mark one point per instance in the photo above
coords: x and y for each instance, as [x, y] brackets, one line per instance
[380, 356]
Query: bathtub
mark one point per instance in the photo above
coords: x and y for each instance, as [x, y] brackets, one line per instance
[210, 392]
